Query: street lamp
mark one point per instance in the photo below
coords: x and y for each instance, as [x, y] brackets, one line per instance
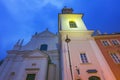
[67, 40]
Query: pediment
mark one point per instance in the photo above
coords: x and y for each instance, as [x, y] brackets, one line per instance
[46, 33]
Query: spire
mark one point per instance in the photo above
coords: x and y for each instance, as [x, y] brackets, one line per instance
[21, 42]
[66, 10]
[18, 42]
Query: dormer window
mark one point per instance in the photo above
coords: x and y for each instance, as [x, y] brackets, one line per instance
[72, 24]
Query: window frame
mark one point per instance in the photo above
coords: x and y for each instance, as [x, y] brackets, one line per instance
[115, 42]
[115, 57]
[31, 71]
[84, 58]
[105, 42]
[72, 24]
[27, 78]
[43, 47]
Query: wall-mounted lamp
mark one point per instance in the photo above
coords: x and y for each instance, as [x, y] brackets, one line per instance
[78, 71]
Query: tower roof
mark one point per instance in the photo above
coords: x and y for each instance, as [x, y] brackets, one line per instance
[66, 10]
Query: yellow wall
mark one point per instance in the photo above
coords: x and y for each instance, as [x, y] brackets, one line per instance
[65, 18]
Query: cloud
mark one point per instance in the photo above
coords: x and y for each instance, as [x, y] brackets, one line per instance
[27, 8]
[24, 17]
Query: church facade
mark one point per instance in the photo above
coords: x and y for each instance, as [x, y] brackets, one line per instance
[37, 60]
[72, 54]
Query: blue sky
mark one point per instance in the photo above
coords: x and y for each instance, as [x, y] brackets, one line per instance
[20, 19]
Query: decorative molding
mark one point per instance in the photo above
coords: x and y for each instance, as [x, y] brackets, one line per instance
[91, 71]
[29, 69]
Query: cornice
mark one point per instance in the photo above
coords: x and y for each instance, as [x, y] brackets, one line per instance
[107, 36]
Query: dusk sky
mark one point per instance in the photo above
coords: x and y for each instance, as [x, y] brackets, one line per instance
[20, 19]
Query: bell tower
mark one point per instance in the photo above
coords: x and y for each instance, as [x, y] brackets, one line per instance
[71, 30]
[69, 21]
[80, 57]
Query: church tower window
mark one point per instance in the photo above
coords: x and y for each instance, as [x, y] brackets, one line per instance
[43, 47]
[72, 24]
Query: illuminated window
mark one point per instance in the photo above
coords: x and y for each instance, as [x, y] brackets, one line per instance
[105, 43]
[72, 24]
[94, 78]
[43, 47]
[30, 77]
[83, 58]
[115, 42]
[115, 57]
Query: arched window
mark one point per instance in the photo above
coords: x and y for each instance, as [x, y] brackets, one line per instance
[94, 78]
[43, 47]
[72, 24]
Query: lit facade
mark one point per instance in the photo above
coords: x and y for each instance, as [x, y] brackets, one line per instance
[72, 54]
[34, 61]
[80, 56]
[109, 45]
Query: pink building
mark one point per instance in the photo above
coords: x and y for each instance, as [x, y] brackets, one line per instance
[81, 58]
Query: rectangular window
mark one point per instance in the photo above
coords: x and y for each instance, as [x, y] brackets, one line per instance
[30, 77]
[105, 43]
[115, 42]
[43, 47]
[72, 24]
[83, 58]
[115, 57]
